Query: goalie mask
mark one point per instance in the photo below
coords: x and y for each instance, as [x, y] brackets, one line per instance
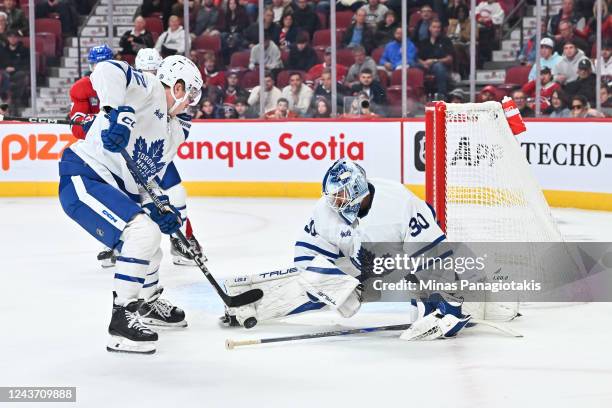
[345, 186]
[178, 67]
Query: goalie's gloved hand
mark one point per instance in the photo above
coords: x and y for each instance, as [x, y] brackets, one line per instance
[169, 220]
[366, 259]
[121, 123]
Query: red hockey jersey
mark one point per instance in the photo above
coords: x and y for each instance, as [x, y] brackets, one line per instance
[85, 103]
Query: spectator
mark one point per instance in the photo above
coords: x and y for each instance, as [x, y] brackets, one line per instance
[558, 105]
[566, 13]
[172, 41]
[566, 70]
[242, 109]
[281, 111]
[4, 110]
[137, 38]
[286, 33]
[316, 71]
[157, 6]
[436, 56]
[322, 108]
[391, 58]
[324, 89]
[371, 88]
[16, 20]
[386, 28]
[548, 57]
[233, 91]
[359, 33]
[208, 110]
[14, 61]
[566, 34]
[581, 109]
[301, 55]
[527, 54]
[213, 93]
[271, 94]
[67, 14]
[548, 85]
[488, 93]
[3, 28]
[490, 17]
[352, 5]
[360, 107]
[272, 55]
[211, 75]
[606, 54]
[208, 19]
[585, 83]
[421, 29]
[251, 8]
[375, 13]
[520, 99]
[280, 8]
[459, 30]
[605, 96]
[229, 111]
[178, 7]
[235, 21]
[457, 95]
[305, 18]
[252, 32]
[298, 94]
[361, 61]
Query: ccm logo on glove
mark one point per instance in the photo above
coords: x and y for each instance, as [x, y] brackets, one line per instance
[121, 122]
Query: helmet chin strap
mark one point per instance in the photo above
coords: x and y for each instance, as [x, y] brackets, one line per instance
[177, 102]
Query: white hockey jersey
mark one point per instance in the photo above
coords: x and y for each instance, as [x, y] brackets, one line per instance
[396, 215]
[155, 138]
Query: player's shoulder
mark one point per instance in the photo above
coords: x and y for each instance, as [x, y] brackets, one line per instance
[82, 88]
[113, 69]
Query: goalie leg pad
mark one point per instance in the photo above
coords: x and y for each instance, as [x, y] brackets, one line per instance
[294, 291]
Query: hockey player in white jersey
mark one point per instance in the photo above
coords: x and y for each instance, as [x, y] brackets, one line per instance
[149, 60]
[98, 191]
[329, 255]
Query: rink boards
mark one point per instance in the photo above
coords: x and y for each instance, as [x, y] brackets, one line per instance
[572, 160]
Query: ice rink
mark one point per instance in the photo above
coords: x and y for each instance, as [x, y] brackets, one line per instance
[55, 307]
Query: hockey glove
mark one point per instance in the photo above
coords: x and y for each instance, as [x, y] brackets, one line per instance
[122, 121]
[169, 220]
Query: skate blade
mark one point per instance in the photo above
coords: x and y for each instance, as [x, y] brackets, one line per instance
[117, 344]
[160, 323]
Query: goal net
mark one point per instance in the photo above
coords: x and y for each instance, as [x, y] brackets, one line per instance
[480, 185]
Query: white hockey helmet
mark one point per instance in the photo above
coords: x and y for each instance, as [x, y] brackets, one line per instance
[148, 59]
[179, 68]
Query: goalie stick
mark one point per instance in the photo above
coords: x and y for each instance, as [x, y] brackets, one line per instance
[231, 344]
[242, 299]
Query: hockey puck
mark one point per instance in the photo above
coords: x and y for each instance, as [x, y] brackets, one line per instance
[250, 322]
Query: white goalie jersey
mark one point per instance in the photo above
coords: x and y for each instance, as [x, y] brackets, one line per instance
[396, 215]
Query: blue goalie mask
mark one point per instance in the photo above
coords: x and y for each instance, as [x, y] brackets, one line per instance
[345, 186]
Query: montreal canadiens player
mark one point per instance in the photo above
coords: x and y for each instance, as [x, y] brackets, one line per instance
[149, 60]
[328, 257]
[99, 193]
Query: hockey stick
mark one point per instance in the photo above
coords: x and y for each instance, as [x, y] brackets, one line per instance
[242, 299]
[230, 344]
[48, 121]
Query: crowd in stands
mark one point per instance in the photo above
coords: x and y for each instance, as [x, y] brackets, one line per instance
[223, 41]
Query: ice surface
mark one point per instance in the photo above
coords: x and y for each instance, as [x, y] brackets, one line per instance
[55, 307]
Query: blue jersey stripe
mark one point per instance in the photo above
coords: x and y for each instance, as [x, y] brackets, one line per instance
[303, 258]
[429, 246]
[129, 278]
[148, 285]
[128, 74]
[153, 273]
[317, 249]
[132, 260]
[325, 271]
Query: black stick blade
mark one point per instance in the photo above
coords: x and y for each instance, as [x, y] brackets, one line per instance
[250, 296]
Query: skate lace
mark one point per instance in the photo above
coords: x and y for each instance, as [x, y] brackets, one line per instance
[134, 321]
[162, 307]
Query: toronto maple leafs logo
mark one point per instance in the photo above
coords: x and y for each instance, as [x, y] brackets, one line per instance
[159, 114]
[148, 160]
